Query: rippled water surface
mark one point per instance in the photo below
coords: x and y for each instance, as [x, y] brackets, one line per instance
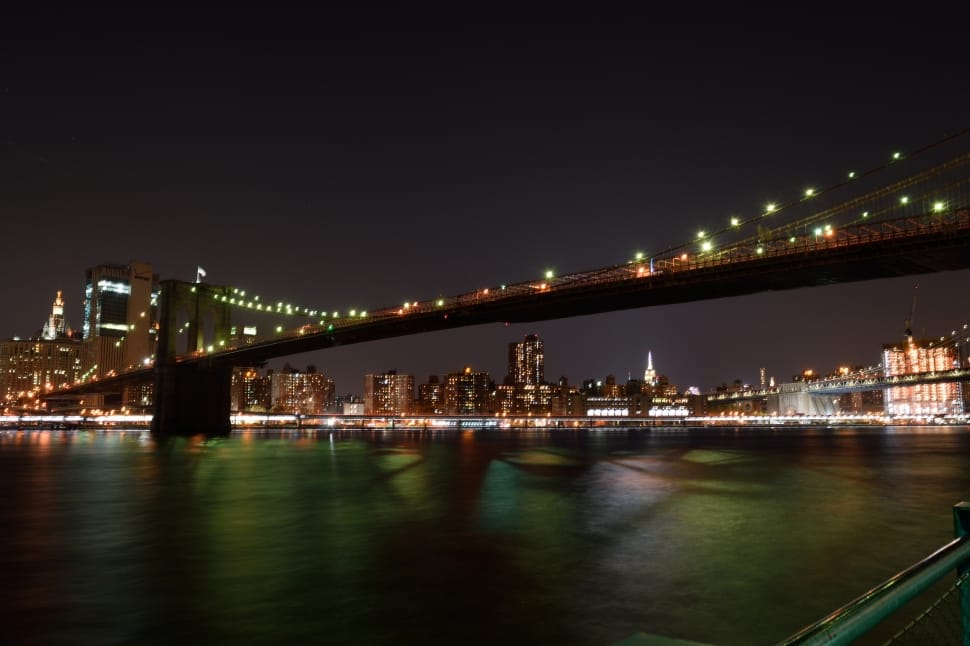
[465, 537]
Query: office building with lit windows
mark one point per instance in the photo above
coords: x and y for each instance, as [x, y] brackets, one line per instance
[431, 397]
[301, 393]
[34, 365]
[250, 391]
[915, 356]
[527, 374]
[120, 318]
[527, 362]
[468, 393]
[388, 394]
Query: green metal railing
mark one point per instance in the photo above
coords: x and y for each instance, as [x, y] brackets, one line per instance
[861, 615]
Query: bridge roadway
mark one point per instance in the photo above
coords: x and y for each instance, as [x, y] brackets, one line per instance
[865, 252]
[931, 243]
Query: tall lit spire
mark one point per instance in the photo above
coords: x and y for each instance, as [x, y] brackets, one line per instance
[55, 324]
[650, 375]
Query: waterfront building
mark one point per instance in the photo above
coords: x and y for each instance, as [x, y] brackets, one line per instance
[52, 359]
[431, 397]
[468, 393]
[915, 356]
[250, 391]
[388, 394]
[348, 404]
[860, 403]
[301, 393]
[504, 399]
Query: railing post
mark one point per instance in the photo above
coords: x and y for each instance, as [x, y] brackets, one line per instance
[961, 527]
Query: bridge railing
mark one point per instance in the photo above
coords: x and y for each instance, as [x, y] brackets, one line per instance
[860, 616]
[866, 233]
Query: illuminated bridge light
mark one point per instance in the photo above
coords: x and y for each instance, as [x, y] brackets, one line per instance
[904, 199]
[353, 312]
[809, 192]
[865, 214]
[210, 349]
[897, 156]
[701, 234]
[279, 328]
[771, 207]
[818, 231]
[549, 274]
[851, 174]
[639, 255]
[440, 302]
[760, 250]
[706, 245]
[735, 222]
[938, 207]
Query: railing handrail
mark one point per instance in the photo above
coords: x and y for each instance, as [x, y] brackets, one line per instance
[857, 617]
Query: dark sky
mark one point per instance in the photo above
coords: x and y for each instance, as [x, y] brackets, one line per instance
[361, 157]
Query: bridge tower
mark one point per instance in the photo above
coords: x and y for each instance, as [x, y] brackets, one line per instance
[191, 398]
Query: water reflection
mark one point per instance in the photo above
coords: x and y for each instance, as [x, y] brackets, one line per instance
[429, 536]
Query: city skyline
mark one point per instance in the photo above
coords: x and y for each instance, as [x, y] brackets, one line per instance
[329, 156]
[525, 359]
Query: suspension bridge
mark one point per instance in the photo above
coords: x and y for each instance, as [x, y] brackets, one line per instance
[899, 218]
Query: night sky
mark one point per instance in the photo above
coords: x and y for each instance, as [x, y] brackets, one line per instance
[361, 157]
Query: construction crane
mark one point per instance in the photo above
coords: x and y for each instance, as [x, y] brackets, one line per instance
[912, 314]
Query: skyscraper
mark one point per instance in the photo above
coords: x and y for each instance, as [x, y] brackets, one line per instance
[55, 325]
[120, 317]
[650, 375]
[527, 362]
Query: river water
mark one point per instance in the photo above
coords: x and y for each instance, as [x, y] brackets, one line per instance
[722, 536]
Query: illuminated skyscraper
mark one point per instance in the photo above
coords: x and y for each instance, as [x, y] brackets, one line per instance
[915, 356]
[388, 394]
[120, 318]
[56, 325]
[650, 375]
[526, 362]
